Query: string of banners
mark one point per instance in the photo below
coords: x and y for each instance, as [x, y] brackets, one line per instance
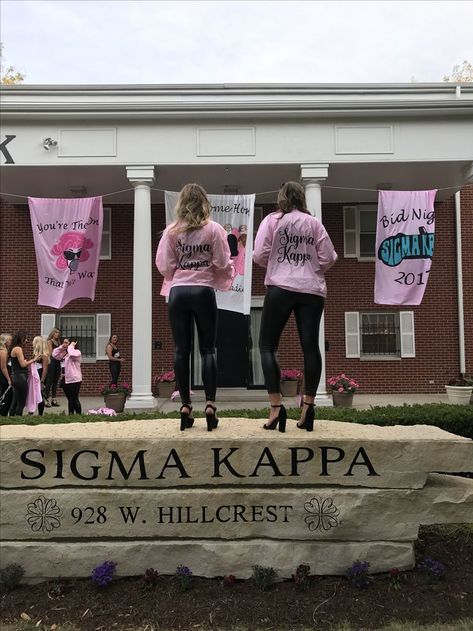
[67, 237]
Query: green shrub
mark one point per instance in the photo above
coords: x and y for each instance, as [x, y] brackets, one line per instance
[263, 577]
[11, 575]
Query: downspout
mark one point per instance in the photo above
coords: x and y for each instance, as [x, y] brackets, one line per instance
[461, 320]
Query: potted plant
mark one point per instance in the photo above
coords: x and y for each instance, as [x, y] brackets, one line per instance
[289, 382]
[343, 388]
[164, 384]
[115, 395]
[459, 390]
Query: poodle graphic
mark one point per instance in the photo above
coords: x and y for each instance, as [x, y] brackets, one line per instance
[71, 249]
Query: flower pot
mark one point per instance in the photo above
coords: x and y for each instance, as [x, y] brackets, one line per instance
[459, 395]
[289, 388]
[115, 401]
[166, 388]
[342, 399]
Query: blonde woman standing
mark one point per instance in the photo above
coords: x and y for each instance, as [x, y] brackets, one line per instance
[194, 258]
[37, 376]
[5, 373]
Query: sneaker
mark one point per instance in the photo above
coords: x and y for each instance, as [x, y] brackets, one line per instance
[54, 404]
[47, 404]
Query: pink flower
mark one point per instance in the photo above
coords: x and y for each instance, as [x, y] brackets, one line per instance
[113, 385]
[341, 389]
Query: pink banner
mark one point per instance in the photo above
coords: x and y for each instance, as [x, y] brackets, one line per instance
[67, 237]
[405, 237]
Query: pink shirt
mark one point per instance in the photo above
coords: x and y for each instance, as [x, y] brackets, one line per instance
[296, 250]
[195, 257]
[72, 359]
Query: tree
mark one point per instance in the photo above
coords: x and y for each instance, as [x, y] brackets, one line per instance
[8, 74]
[461, 74]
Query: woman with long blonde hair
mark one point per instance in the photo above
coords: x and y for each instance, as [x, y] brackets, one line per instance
[194, 258]
[41, 352]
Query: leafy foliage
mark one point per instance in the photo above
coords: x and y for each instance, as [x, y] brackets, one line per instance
[11, 575]
[263, 577]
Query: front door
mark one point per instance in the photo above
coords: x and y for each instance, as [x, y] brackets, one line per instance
[232, 352]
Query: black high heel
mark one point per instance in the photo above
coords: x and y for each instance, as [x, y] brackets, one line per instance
[212, 420]
[279, 421]
[186, 420]
[308, 423]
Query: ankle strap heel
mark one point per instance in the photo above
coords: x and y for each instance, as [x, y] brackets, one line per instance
[279, 421]
[212, 420]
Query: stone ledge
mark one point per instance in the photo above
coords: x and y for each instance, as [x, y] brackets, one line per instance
[155, 454]
[320, 513]
[50, 560]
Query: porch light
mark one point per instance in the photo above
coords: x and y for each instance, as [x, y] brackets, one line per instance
[48, 143]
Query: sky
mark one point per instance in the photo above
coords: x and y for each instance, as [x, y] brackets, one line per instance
[226, 41]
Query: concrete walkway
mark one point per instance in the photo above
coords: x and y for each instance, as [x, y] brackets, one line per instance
[239, 399]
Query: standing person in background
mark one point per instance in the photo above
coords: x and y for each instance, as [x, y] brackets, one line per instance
[71, 355]
[19, 376]
[114, 359]
[5, 373]
[54, 369]
[37, 377]
[296, 251]
[194, 258]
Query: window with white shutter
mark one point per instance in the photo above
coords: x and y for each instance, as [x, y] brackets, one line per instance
[106, 245]
[48, 323]
[408, 347]
[350, 232]
[104, 324]
[359, 232]
[352, 334]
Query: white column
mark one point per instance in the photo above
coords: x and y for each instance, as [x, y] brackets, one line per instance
[142, 178]
[312, 176]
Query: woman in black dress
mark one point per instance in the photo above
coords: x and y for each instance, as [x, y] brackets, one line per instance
[54, 369]
[19, 375]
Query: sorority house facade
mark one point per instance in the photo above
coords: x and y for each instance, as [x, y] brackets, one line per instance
[342, 142]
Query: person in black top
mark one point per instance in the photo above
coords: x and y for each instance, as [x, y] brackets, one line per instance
[54, 369]
[6, 391]
[19, 376]
[114, 359]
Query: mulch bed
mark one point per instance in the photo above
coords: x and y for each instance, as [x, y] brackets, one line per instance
[125, 605]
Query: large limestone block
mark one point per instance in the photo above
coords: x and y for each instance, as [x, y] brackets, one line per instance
[318, 513]
[155, 454]
[45, 560]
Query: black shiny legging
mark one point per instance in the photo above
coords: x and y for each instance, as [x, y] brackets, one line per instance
[52, 378]
[187, 303]
[278, 306]
[19, 381]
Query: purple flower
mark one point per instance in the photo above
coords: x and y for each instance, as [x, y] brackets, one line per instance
[102, 575]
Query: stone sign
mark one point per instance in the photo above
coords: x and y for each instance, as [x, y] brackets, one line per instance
[143, 493]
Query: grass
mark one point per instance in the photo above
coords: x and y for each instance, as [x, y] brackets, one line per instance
[459, 625]
[457, 419]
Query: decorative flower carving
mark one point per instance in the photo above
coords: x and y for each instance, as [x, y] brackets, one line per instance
[43, 514]
[322, 514]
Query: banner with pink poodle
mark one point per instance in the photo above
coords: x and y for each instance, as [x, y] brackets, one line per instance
[405, 237]
[67, 237]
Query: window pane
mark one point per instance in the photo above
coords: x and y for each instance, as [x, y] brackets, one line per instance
[368, 220]
[106, 219]
[367, 245]
[83, 328]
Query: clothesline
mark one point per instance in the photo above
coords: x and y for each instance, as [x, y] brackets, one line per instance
[162, 190]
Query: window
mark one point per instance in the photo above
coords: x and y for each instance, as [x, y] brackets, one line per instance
[91, 330]
[359, 223]
[379, 335]
[106, 245]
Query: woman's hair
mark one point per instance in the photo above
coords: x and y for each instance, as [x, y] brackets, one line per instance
[3, 340]
[74, 339]
[292, 196]
[192, 209]
[53, 331]
[19, 338]
[110, 341]
[40, 346]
